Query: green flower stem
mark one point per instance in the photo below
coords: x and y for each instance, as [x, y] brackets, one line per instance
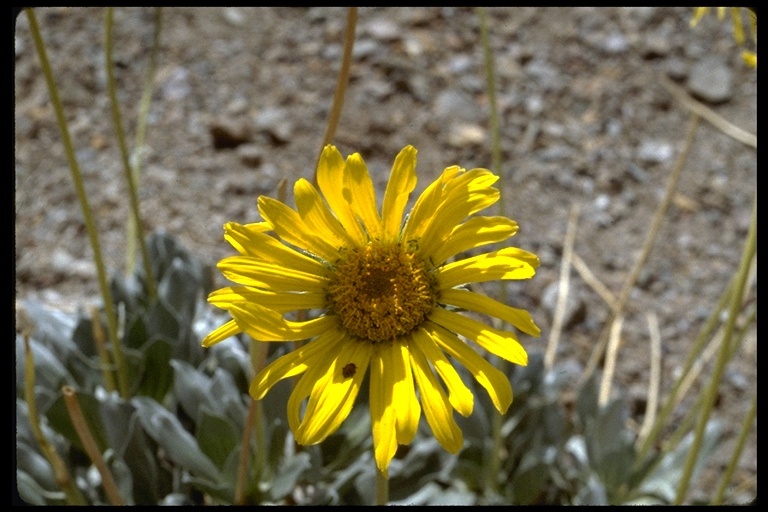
[259, 359]
[60, 471]
[90, 226]
[89, 444]
[255, 420]
[260, 459]
[101, 349]
[490, 79]
[341, 84]
[129, 178]
[685, 424]
[382, 487]
[494, 461]
[133, 231]
[245, 451]
[746, 427]
[723, 356]
[673, 399]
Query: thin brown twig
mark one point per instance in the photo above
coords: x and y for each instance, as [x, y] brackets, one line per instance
[245, 452]
[563, 288]
[708, 114]
[610, 360]
[89, 444]
[60, 472]
[593, 282]
[101, 348]
[654, 379]
[341, 84]
[645, 252]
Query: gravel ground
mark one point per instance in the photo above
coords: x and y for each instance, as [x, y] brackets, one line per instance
[242, 98]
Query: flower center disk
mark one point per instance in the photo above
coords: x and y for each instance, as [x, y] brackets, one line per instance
[381, 291]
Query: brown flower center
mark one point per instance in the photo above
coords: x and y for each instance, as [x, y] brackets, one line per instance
[381, 291]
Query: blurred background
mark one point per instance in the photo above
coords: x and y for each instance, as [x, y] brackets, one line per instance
[242, 98]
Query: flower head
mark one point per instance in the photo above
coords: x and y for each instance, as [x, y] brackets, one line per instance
[381, 297]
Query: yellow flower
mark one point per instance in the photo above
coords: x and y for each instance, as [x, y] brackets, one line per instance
[749, 57]
[381, 297]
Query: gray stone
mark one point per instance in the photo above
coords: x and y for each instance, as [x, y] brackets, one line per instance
[250, 155]
[275, 122]
[452, 104]
[655, 151]
[711, 80]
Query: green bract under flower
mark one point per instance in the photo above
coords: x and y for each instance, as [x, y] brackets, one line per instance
[387, 298]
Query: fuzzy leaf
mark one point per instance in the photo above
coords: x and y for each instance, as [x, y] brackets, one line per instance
[288, 474]
[167, 431]
[216, 436]
[157, 374]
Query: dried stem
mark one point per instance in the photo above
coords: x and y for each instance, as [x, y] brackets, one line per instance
[654, 379]
[60, 471]
[610, 361]
[723, 356]
[563, 289]
[89, 444]
[709, 115]
[101, 349]
[341, 84]
[650, 238]
[593, 282]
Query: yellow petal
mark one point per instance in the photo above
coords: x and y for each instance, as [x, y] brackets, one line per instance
[698, 13]
[749, 58]
[263, 324]
[427, 203]
[436, 406]
[738, 29]
[267, 248]
[221, 333]
[407, 408]
[295, 362]
[460, 396]
[334, 393]
[330, 179]
[289, 227]
[466, 194]
[383, 416]
[502, 343]
[494, 381]
[401, 183]
[252, 272]
[476, 232]
[507, 263]
[303, 389]
[449, 217]
[315, 213]
[362, 198]
[519, 318]
[281, 302]
[242, 243]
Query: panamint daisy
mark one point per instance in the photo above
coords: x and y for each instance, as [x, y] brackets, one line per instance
[381, 297]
